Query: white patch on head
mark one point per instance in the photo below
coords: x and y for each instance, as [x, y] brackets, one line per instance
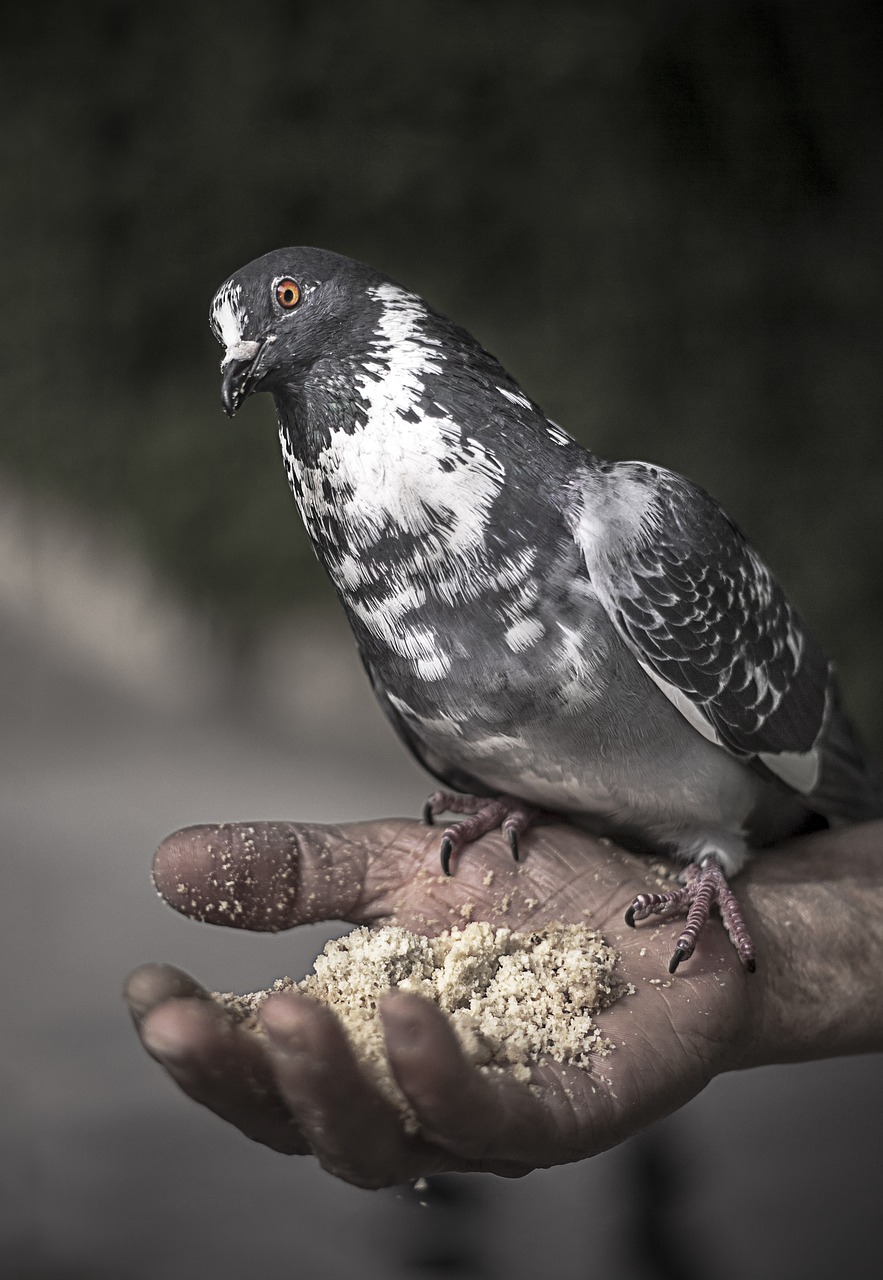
[521, 635]
[228, 315]
[229, 319]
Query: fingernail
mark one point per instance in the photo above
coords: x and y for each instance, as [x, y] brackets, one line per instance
[167, 1048]
[286, 1037]
[291, 1044]
[407, 1028]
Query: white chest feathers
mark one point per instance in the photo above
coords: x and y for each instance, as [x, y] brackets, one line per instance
[407, 468]
[400, 503]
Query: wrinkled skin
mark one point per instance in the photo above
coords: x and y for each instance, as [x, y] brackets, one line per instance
[299, 1089]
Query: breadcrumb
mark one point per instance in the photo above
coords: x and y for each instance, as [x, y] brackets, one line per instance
[513, 999]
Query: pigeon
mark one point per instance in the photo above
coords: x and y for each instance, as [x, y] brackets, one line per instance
[549, 632]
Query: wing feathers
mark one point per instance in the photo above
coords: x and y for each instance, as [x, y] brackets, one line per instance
[711, 626]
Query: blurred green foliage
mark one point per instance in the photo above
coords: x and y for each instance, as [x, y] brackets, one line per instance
[664, 218]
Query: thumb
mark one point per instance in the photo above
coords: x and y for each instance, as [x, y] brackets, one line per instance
[269, 876]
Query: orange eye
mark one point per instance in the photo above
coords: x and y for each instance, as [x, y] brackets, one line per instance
[287, 293]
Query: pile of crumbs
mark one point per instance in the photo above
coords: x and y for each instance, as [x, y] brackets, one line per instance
[512, 998]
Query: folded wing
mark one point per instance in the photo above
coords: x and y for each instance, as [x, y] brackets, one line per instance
[709, 624]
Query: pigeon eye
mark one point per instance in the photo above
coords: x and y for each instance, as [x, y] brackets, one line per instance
[287, 293]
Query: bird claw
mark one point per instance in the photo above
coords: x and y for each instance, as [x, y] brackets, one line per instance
[484, 814]
[705, 886]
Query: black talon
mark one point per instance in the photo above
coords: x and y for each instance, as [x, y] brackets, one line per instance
[512, 837]
[630, 916]
[447, 848]
[428, 815]
[676, 959]
[751, 965]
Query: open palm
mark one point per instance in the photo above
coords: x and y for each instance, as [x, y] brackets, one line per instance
[299, 1088]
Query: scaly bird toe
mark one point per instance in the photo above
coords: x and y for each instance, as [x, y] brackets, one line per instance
[706, 886]
[504, 813]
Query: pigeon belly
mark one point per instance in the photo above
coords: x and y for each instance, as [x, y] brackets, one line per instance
[556, 711]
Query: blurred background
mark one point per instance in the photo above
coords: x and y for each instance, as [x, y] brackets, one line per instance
[665, 219]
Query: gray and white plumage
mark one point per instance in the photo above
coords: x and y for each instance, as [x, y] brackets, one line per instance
[594, 638]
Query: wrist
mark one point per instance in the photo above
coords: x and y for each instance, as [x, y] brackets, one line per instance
[815, 910]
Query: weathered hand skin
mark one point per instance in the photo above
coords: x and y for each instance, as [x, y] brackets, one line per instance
[300, 1090]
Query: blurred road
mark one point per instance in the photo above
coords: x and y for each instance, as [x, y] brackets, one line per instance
[108, 1172]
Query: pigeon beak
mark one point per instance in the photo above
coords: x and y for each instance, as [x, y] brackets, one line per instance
[238, 368]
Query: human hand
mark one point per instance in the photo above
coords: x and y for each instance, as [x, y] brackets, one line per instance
[299, 1089]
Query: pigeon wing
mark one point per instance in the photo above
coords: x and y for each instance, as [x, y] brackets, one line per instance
[710, 625]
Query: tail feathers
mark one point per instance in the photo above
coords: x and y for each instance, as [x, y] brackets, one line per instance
[850, 788]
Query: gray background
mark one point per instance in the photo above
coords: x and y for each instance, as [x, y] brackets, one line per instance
[108, 1172]
[665, 219]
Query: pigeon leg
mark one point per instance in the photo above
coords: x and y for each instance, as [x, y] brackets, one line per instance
[512, 816]
[450, 802]
[706, 886]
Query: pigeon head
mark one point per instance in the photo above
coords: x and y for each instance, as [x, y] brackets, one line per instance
[281, 313]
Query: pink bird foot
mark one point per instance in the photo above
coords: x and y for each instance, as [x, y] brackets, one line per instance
[705, 886]
[512, 816]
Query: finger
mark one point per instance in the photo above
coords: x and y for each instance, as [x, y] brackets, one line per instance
[274, 875]
[223, 1066]
[490, 1121]
[354, 1131]
[151, 984]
